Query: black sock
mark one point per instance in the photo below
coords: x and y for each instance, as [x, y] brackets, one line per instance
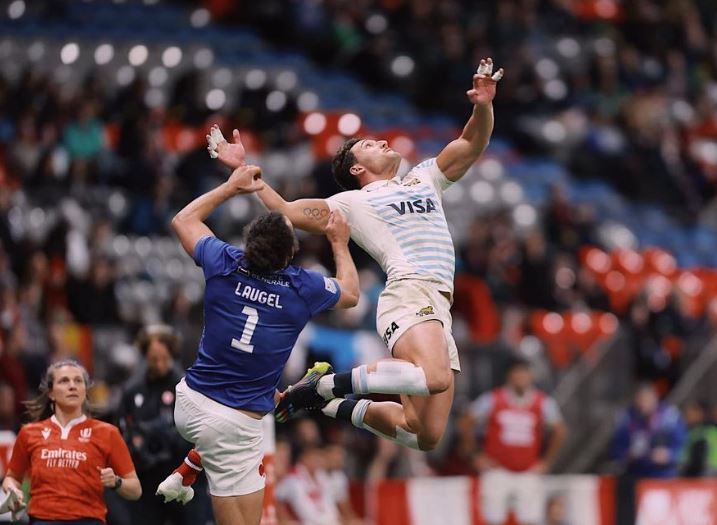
[342, 384]
[345, 409]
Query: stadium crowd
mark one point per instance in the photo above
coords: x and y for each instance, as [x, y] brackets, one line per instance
[86, 177]
[644, 102]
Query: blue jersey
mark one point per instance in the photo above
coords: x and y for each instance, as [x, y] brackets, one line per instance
[251, 323]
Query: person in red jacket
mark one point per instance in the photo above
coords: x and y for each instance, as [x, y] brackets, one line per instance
[515, 419]
[69, 457]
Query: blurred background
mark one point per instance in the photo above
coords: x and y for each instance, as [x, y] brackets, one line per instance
[586, 235]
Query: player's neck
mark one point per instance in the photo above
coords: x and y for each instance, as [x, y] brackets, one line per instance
[65, 416]
[374, 177]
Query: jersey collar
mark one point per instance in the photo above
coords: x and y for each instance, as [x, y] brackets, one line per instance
[378, 184]
[65, 431]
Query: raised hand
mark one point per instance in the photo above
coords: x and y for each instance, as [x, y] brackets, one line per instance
[484, 82]
[337, 229]
[232, 155]
[246, 179]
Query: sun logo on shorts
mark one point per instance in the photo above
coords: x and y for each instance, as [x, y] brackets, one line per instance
[426, 310]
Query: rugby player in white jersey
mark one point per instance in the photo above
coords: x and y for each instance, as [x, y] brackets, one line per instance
[400, 222]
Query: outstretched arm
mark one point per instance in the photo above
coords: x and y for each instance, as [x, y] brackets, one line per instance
[337, 232]
[460, 154]
[189, 223]
[311, 215]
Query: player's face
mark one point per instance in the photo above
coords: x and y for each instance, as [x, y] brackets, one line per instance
[646, 400]
[521, 378]
[69, 390]
[159, 359]
[375, 155]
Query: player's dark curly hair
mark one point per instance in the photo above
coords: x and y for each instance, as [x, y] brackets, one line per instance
[269, 243]
[341, 166]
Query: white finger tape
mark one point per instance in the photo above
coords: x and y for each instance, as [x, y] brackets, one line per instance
[498, 75]
[485, 69]
[216, 135]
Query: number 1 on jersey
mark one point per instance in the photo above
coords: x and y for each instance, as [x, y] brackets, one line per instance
[252, 318]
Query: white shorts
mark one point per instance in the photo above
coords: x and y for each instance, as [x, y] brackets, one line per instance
[502, 490]
[229, 442]
[408, 302]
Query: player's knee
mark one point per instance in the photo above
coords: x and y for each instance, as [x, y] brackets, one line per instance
[439, 381]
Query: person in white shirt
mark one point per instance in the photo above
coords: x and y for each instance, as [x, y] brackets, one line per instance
[307, 492]
[400, 222]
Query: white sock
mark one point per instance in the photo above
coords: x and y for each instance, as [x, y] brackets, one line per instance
[403, 437]
[356, 416]
[332, 407]
[325, 388]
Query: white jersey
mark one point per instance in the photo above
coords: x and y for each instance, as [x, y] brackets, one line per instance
[401, 224]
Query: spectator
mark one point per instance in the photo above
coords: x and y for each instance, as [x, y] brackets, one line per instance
[306, 494]
[335, 463]
[555, 511]
[93, 300]
[462, 448]
[12, 377]
[699, 457]
[146, 417]
[516, 419]
[84, 137]
[70, 457]
[8, 419]
[649, 437]
[647, 443]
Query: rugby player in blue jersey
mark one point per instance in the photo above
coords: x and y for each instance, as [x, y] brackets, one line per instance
[255, 306]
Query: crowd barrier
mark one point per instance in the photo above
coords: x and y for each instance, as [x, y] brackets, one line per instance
[677, 502]
[585, 499]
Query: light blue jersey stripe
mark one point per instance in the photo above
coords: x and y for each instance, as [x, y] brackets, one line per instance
[439, 273]
[447, 261]
[403, 228]
[424, 193]
[390, 213]
[419, 249]
[435, 269]
[423, 236]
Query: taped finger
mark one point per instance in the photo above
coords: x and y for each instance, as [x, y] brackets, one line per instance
[217, 135]
[498, 75]
[485, 68]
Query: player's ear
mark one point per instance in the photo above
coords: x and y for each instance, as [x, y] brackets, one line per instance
[357, 170]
